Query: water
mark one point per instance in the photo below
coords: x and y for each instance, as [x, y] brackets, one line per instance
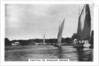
[23, 53]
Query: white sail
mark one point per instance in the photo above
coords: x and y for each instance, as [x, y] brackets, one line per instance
[44, 39]
[59, 37]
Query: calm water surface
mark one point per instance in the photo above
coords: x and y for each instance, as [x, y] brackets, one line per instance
[23, 53]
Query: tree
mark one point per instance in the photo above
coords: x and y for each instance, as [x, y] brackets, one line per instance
[68, 40]
[92, 39]
[74, 36]
[7, 42]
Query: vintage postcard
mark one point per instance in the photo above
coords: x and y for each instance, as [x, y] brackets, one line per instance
[48, 33]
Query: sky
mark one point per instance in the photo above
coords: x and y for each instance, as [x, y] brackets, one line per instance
[30, 21]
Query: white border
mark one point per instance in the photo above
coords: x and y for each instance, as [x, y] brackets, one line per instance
[95, 20]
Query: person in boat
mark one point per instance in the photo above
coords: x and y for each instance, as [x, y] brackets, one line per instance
[78, 44]
[87, 44]
[75, 41]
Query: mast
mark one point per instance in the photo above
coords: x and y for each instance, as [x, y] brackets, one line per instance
[84, 24]
[59, 37]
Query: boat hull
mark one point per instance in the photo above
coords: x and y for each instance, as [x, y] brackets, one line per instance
[78, 45]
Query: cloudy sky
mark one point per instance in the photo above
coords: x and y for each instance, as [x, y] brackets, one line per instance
[27, 21]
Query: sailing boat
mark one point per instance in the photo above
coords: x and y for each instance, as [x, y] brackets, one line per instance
[59, 37]
[44, 39]
[84, 26]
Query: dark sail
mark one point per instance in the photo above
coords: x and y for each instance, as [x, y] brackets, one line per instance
[84, 24]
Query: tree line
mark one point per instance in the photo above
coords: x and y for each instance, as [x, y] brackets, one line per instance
[51, 41]
[33, 41]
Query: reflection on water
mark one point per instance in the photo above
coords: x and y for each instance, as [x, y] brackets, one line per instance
[84, 56]
[23, 53]
[60, 54]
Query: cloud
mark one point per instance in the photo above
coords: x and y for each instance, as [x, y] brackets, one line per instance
[34, 20]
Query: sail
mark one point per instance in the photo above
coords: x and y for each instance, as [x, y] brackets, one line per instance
[59, 37]
[44, 39]
[84, 24]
